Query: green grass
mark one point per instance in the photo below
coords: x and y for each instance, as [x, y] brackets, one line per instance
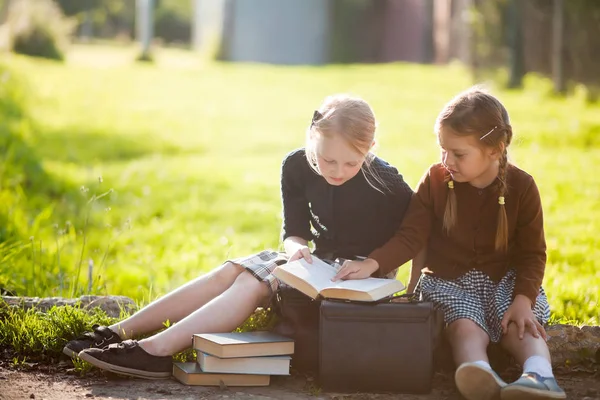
[41, 336]
[189, 152]
[37, 336]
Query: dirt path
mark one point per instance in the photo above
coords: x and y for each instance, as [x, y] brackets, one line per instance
[40, 384]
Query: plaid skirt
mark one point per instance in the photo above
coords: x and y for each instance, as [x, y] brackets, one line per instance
[261, 266]
[476, 297]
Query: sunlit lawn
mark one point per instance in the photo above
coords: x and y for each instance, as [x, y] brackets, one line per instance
[192, 151]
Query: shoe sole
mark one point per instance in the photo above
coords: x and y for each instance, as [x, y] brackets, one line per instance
[525, 393]
[69, 352]
[477, 383]
[136, 373]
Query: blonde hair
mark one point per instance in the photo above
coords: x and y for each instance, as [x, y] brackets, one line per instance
[353, 119]
[478, 113]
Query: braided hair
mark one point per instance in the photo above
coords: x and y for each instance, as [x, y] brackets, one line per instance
[475, 112]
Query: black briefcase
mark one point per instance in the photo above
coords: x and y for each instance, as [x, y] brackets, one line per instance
[378, 347]
[299, 319]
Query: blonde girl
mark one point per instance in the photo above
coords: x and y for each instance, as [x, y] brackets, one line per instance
[335, 192]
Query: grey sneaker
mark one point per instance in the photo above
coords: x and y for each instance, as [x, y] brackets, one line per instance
[475, 382]
[533, 386]
[128, 358]
[100, 337]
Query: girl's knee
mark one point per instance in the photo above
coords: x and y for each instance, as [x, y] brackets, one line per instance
[228, 271]
[512, 331]
[232, 268]
[249, 283]
[463, 328]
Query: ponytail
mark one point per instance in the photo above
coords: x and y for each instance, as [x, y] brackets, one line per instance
[502, 229]
[450, 211]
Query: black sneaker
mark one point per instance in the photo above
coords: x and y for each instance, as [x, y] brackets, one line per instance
[100, 337]
[128, 358]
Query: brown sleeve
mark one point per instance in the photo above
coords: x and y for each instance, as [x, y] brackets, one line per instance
[529, 257]
[412, 234]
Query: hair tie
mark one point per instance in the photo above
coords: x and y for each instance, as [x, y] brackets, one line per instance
[317, 116]
[501, 200]
[450, 184]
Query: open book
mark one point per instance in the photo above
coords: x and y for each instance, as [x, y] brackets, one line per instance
[315, 279]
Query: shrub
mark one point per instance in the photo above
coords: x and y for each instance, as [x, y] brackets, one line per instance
[38, 28]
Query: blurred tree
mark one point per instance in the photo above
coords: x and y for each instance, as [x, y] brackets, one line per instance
[356, 30]
[101, 18]
[558, 30]
[173, 20]
[542, 28]
[114, 18]
[515, 42]
[582, 55]
[75, 7]
[145, 27]
[489, 37]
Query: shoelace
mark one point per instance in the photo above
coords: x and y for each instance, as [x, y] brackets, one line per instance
[126, 345]
[97, 333]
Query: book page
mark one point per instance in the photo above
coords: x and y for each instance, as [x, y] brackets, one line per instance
[362, 285]
[318, 274]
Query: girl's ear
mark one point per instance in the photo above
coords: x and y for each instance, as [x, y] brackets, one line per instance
[373, 143]
[497, 152]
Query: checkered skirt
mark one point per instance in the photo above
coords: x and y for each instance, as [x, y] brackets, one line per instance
[476, 297]
[261, 266]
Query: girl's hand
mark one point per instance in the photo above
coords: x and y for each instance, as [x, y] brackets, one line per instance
[301, 252]
[521, 314]
[356, 269]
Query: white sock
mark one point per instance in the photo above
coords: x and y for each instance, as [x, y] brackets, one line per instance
[483, 364]
[540, 365]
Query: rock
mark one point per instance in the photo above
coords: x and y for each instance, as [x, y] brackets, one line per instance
[591, 392]
[570, 344]
[112, 305]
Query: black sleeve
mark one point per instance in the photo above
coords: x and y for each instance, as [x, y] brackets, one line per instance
[296, 214]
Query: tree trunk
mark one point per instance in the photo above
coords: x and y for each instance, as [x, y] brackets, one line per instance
[558, 28]
[145, 25]
[515, 30]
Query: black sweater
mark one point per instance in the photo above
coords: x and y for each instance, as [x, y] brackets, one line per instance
[344, 221]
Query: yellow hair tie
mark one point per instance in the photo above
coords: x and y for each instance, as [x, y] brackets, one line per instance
[451, 184]
[501, 200]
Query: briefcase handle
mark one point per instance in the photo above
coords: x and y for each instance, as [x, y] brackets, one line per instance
[403, 298]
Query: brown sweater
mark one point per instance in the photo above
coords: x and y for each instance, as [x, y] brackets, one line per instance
[471, 241]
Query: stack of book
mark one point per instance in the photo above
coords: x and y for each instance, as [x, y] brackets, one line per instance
[236, 359]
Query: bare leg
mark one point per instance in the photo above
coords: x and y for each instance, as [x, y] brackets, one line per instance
[179, 303]
[222, 314]
[522, 349]
[532, 353]
[468, 341]
[474, 378]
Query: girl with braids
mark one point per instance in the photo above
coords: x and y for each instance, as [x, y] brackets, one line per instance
[478, 219]
[335, 193]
